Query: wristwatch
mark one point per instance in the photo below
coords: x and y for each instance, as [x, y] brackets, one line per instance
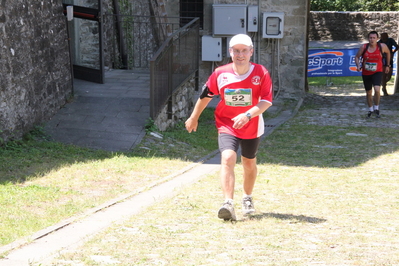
[248, 115]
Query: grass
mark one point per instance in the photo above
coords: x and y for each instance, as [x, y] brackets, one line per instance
[321, 81]
[323, 197]
[328, 146]
[310, 210]
[43, 183]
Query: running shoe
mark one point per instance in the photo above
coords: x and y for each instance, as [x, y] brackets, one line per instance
[247, 205]
[369, 114]
[377, 113]
[226, 212]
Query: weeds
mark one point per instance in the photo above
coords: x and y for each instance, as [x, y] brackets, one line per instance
[150, 125]
[37, 133]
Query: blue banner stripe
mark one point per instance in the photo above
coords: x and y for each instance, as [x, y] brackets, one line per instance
[334, 63]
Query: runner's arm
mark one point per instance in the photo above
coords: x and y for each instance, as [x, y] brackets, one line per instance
[192, 122]
[385, 50]
[357, 58]
[241, 119]
[394, 44]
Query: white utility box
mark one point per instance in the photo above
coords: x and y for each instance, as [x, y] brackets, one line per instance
[211, 48]
[273, 25]
[229, 19]
[253, 20]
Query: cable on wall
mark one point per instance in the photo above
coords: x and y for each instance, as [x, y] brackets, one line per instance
[278, 69]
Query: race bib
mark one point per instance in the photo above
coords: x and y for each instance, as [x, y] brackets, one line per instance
[238, 97]
[371, 66]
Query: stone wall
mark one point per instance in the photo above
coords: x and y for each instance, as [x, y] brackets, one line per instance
[351, 26]
[182, 100]
[35, 71]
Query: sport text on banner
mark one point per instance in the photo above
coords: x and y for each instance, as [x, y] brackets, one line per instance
[334, 63]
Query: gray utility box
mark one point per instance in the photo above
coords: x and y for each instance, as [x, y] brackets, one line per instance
[229, 19]
[211, 48]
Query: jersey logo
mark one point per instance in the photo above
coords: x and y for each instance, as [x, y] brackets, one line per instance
[255, 80]
[224, 80]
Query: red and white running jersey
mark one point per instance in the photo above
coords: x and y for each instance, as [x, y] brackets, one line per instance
[238, 94]
[372, 62]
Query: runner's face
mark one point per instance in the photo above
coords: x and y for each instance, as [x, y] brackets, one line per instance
[241, 54]
[373, 38]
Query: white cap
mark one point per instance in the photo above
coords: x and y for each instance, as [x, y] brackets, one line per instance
[241, 39]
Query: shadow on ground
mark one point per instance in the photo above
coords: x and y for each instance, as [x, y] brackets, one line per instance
[290, 217]
[331, 129]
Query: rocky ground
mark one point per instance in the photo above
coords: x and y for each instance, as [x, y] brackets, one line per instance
[346, 106]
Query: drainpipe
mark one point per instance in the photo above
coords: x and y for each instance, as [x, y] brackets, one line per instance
[396, 85]
[307, 45]
[121, 43]
[259, 33]
[69, 20]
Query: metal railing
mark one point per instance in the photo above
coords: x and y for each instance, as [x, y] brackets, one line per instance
[131, 41]
[176, 61]
[165, 48]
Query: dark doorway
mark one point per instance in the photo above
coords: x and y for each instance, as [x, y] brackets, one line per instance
[191, 9]
[86, 39]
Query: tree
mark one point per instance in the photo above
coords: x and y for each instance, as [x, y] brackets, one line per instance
[378, 5]
[350, 5]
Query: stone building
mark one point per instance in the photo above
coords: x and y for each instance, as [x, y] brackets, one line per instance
[35, 58]
[35, 70]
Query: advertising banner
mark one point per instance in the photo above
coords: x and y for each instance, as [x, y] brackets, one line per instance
[334, 63]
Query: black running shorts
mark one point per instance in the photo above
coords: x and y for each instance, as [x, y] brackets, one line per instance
[249, 147]
[372, 80]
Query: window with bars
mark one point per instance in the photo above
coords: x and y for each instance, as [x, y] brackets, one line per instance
[190, 9]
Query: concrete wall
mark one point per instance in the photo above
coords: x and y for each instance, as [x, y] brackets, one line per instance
[35, 78]
[351, 26]
[289, 54]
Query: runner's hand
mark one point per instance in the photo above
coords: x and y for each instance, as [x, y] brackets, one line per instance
[191, 125]
[240, 121]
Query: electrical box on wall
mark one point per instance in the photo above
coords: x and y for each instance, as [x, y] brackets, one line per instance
[228, 46]
[229, 19]
[273, 25]
[211, 48]
[253, 20]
